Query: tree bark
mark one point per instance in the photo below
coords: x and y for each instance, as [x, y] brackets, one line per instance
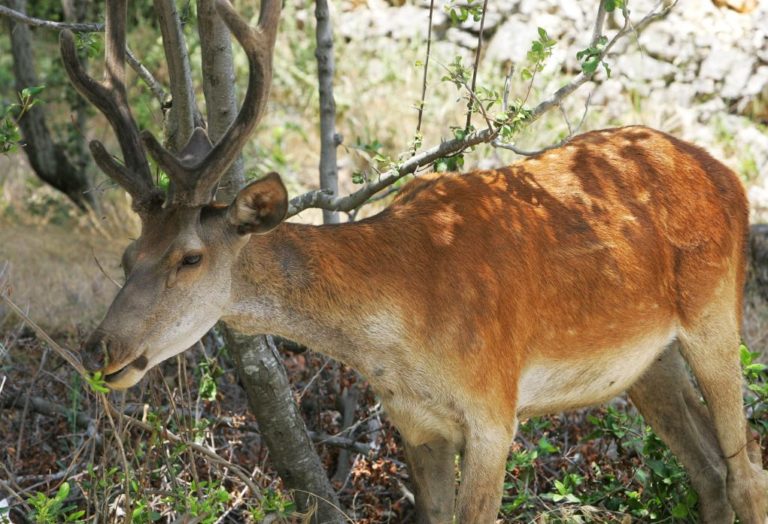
[282, 428]
[219, 89]
[180, 121]
[48, 159]
[329, 139]
[758, 254]
[259, 364]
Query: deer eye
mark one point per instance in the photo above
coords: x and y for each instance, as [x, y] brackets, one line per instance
[191, 260]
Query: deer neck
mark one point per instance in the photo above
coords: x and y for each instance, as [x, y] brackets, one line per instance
[313, 285]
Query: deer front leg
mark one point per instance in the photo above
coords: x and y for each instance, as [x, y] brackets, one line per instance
[666, 398]
[432, 469]
[482, 474]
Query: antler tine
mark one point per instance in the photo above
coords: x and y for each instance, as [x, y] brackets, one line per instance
[199, 169]
[110, 98]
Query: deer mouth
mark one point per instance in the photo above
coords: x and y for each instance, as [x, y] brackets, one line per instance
[139, 364]
[115, 375]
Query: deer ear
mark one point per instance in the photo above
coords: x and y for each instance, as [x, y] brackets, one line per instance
[260, 206]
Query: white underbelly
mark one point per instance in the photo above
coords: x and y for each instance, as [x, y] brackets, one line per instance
[553, 386]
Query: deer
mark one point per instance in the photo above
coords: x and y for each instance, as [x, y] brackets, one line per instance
[472, 302]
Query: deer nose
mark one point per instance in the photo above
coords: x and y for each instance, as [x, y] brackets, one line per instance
[94, 353]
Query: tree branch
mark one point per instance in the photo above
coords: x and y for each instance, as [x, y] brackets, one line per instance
[154, 85]
[323, 200]
[87, 27]
[49, 24]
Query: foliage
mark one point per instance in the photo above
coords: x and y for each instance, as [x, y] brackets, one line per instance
[97, 382]
[756, 399]
[459, 11]
[590, 57]
[273, 504]
[537, 56]
[53, 510]
[12, 113]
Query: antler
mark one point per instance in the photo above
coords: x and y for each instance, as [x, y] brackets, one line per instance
[199, 166]
[110, 97]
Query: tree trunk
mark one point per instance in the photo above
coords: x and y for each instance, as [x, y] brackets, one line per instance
[290, 448]
[329, 139]
[219, 89]
[758, 254]
[179, 123]
[48, 159]
[259, 364]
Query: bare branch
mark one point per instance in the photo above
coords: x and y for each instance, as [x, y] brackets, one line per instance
[49, 24]
[143, 72]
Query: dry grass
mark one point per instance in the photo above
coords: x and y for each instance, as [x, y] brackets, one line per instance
[54, 274]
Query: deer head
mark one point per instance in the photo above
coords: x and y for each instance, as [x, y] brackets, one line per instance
[178, 272]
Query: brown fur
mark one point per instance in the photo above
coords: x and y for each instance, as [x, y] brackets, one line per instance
[476, 299]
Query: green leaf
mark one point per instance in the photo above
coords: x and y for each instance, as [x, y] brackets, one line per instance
[28, 92]
[63, 492]
[97, 383]
[680, 511]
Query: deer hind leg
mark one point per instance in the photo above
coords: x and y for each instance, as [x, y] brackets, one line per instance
[483, 466]
[711, 345]
[432, 469]
[666, 398]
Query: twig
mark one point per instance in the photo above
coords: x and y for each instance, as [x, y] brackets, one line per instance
[330, 503]
[424, 76]
[13, 488]
[72, 360]
[571, 132]
[63, 353]
[473, 99]
[25, 407]
[582, 77]
[126, 469]
[103, 272]
[49, 24]
[156, 87]
[45, 407]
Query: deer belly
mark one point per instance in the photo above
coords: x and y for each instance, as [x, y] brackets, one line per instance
[553, 386]
[421, 421]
